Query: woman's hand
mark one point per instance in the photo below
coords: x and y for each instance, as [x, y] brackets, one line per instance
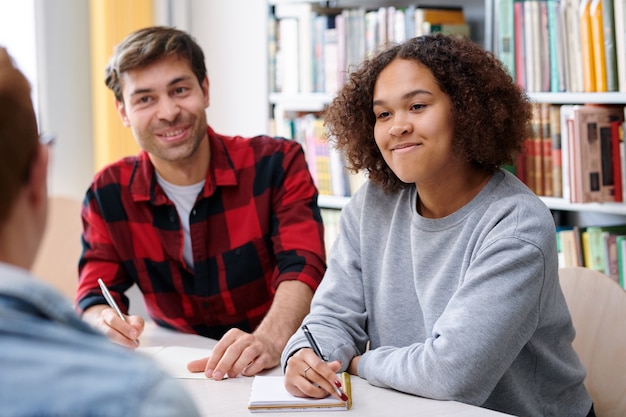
[307, 375]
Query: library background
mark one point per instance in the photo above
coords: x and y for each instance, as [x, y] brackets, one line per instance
[568, 55]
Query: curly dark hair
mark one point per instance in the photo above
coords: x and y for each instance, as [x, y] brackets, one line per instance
[147, 45]
[491, 113]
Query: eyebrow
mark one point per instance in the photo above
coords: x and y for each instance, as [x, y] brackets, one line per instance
[171, 83]
[408, 95]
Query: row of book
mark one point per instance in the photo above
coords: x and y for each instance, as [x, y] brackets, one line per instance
[563, 45]
[601, 248]
[325, 162]
[575, 152]
[312, 49]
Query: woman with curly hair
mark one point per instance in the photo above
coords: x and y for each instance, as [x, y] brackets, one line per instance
[443, 280]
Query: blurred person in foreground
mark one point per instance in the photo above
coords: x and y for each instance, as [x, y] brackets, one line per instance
[52, 362]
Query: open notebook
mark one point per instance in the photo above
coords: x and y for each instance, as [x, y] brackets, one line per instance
[268, 394]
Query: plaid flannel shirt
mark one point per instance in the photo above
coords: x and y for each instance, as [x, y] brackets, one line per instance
[255, 224]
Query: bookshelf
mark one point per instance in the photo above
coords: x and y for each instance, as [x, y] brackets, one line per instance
[298, 101]
[480, 16]
[484, 18]
[558, 74]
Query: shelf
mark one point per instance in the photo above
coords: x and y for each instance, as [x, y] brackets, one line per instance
[579, 98]
[554, 203]
[331, 201]
[301, 102]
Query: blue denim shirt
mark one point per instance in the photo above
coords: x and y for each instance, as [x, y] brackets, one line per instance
[54, 364]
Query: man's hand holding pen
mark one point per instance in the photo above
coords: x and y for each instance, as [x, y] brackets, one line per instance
[119, 328]
[309, 375]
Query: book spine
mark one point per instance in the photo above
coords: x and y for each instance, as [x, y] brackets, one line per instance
[519, 47]
[619, 8]
[546, 151]
[597, 40]
[588, 60]
[505, 43]
[557, 165]
[608, 22]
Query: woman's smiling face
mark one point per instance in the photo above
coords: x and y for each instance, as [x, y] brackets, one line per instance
[414, 129]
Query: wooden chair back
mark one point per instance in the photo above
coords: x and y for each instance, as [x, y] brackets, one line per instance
[57, 260]
[598, 308]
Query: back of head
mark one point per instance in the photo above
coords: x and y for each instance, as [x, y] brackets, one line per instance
[147, 45]
[18, 132]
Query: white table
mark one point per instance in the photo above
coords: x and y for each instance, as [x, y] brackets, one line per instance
[230, 397]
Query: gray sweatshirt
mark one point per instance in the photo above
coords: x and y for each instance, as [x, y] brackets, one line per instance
[465, 308]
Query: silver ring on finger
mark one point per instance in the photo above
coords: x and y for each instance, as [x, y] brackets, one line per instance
[305, 373]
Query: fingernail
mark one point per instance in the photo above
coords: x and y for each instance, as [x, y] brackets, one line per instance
[208, 373]
[218, 376]
[338, 383]
[133, 334]
[344, 397]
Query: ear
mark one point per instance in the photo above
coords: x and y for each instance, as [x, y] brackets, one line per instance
[121, 110]
[38, 180]
[205, 91]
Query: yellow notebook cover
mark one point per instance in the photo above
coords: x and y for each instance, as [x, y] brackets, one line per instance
[268, 393]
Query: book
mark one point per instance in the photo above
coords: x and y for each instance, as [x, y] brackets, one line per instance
[518, 45]
[544, 47]
[595, 245]
[587, 50]
[268, 394]
[617, 140]
[436, 15]
[589, 136]
[505, 39]
[533, 166]
[532, 48]
[574, 57]
[546, 150]
[621, 260]
[287, 70]
[597, 39]
[619, 11]
[557, 164]
[610, 57]
[460, 29]
[571, 247]
[556, 46]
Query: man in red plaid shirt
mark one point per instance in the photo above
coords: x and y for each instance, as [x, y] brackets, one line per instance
[222, 235]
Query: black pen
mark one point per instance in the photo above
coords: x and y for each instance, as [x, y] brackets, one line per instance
[312, 342]
[318, 352]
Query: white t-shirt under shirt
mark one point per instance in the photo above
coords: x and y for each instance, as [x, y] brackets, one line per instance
[184, 197]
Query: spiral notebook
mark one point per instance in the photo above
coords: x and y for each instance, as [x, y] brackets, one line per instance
[268, 394]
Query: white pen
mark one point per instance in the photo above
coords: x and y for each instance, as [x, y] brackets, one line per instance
[111, 302]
